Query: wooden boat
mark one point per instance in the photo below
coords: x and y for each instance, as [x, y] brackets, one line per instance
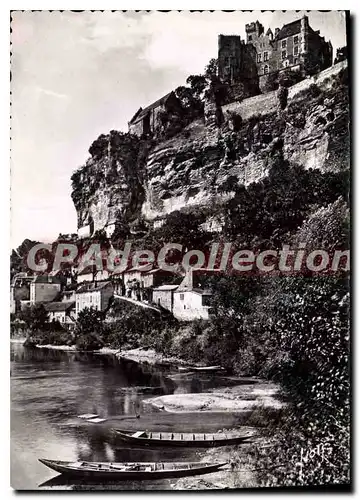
[204, 369]
[186, 439]
[114, 471]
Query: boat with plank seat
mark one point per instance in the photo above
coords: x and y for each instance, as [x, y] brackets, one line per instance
[187, 439]
[114, 471]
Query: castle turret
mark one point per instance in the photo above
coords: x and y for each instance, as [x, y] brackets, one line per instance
[269, 34]
[304, 32]
[253, 31]
[229, 58]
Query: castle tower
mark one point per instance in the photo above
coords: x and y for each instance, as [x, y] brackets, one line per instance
[304, 33]
[253, 31]
[229, 58]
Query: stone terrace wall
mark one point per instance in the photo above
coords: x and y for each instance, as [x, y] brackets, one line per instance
[265, 104]
[320, 79]
[262, 104]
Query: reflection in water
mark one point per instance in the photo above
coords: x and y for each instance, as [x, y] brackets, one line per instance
[49, 388]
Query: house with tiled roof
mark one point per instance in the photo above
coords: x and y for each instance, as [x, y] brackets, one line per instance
[61, 311]
[145, 121]
[96, 295]
[44, 288]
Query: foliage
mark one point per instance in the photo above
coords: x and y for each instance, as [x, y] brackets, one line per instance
[197, 84]
[211, 69]
[35, 317]
[265, 213]
[88, 321]
[89, 342]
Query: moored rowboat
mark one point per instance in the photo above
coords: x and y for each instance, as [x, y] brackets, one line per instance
[186, 439]
[114, 471]
[205, 369]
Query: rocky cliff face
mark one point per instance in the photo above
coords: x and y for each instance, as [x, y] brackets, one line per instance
[126, 178]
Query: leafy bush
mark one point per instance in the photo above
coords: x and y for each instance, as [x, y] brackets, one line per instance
[89, 342]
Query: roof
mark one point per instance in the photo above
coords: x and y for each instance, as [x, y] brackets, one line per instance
[87, 270]
[199, 291]
[158, 270]
[44, 278]
[165, 288]
[93, 287]
[289, 30]
[59, 306]
[139, 269]
[138, 116]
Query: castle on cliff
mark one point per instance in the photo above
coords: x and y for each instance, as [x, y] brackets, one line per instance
[296, 46]
[247, 66]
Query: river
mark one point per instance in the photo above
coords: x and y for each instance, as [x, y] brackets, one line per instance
[51, 388]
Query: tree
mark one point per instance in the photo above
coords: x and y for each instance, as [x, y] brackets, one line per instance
[90, 329]
[99, 147]
[197, 84]
[35, 317]
[88, 321]
[211, 68]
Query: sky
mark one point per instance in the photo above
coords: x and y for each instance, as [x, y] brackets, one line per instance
[76, 75]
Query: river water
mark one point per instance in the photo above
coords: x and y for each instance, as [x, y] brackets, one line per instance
[50, 389]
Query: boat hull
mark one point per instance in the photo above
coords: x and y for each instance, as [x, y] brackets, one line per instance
[196, 443]
[181, 471]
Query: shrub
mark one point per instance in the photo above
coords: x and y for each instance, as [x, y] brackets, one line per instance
[89, 342]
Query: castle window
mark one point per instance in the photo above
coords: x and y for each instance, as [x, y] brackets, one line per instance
[296, 50]
[283, 44]
[296, 39]
[266, 69]
[283, 54]
[259, 58]
[250, 38]
[266, 56]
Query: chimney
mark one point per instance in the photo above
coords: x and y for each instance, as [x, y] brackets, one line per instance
[276, 31]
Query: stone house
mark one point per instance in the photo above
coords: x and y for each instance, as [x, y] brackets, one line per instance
[190, 304]
[90, 273]
[19, 291]
[163, 296]
[68, 296]
[192, 298]
[156, 277]
[61, 311]
[95, 295]
[295, 46]
[139, 282]
[132, 282]
[44, 288]
[147, 121]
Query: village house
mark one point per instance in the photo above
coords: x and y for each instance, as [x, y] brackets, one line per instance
[95, 295]
[90, 273]
[68, 296]
[44, 288]
[163, 296]
[147, 121]
[61, 311]
[192, 298]
[188, 301]
[133, 281]
[191, 304]
[139, 282]
[19, 291]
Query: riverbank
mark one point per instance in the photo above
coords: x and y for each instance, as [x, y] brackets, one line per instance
[138, 355]
[236, 399]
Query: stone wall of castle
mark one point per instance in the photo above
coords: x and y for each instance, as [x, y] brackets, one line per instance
[296, 46]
